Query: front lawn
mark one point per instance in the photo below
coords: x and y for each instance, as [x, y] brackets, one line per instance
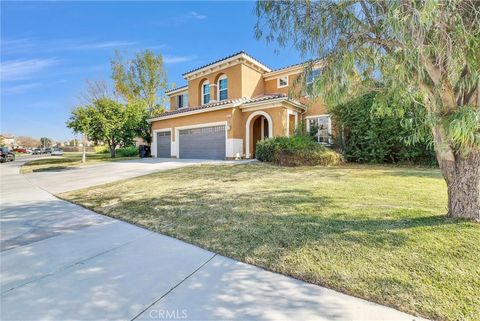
[375, 232]
[67, 160]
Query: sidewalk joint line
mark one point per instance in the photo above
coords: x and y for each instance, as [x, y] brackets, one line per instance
[173, 288]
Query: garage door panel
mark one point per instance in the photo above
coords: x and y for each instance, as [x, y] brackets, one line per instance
[164, 142]
[202, 143]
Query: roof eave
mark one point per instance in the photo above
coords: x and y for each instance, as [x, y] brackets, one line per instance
[192, 112]
[239, 58]
[176, 90]
[273, 101]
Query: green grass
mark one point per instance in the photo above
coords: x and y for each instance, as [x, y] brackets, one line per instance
[68, 160]
[379, 233]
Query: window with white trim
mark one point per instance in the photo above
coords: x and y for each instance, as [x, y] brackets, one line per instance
[282, 82]
[312, 75]
[205, 92]
[182, 101]
[223, 88]
[321, 128]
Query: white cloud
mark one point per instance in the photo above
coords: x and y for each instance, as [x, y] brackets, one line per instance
[177, 59]
[24, 68]
[197, 16]
[26, 45]
[98, 45]
[180, 19]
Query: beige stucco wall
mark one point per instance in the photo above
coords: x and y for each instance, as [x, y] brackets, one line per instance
[173, 102]
[252, 82]
[234, 75]
[279, 120]
[316, 107]
[201, 118]
[235, 118]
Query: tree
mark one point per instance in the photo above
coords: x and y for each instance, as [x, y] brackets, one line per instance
[109, 121]
[141, 79]
[26, 141]
[80, 123]
[95, 90]
[426, 49]
[45, 142]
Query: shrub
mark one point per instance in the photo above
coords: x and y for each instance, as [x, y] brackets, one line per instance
[129, 151]
[102, 149]
[295, 151]
[370, 137]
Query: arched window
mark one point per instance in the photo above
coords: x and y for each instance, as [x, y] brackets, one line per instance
[222, 88]
[205, 92]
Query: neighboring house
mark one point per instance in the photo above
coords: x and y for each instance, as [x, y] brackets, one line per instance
[231, 104]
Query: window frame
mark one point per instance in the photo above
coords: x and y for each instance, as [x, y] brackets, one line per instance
[219, 90]
[315, 70]
[205, 83]
[184, 98]
[329, 127]
[282, 78]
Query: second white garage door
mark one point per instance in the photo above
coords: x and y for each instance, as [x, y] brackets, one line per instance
[202, 143]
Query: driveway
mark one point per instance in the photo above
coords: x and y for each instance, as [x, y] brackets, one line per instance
[60, 261]
[57, 181]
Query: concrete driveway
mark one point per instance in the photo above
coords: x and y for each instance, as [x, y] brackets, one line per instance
[60, 261]
[69, 179]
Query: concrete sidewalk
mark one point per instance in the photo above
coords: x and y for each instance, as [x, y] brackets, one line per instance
[60, 261]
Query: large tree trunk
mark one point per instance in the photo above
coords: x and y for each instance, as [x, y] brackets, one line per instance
[463, 182]
[112, 151]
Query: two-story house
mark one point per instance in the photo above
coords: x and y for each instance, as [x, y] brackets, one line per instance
[231, 104]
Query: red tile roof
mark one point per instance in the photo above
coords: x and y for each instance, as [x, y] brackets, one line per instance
[243, 100]
[219, 60]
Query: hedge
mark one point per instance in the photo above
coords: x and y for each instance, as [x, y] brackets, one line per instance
[295, 151]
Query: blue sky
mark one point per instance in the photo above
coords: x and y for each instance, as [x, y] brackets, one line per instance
[49, 49]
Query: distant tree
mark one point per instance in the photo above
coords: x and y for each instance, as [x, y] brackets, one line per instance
[95, 90]
[83, 117]
[109, 121]
[26, 141]
[426, 49]
[142, 78]
[45, 142]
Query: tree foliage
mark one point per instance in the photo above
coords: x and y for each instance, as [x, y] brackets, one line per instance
[45, 142]
[369, 136]
[141, 79]
[424, 53]
[424, 49]
[26, 141]
[108, 121]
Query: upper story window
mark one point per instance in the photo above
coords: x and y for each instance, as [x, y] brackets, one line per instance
[312, 75]
[320, 127]
[205, 92]
[182, 101]
[282, 82]
[223, 88]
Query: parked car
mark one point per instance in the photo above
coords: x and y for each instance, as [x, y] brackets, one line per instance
[48, 150]
[6, 155]
[20, 150]
[37, 151]
[57, 152]
[29, 151]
